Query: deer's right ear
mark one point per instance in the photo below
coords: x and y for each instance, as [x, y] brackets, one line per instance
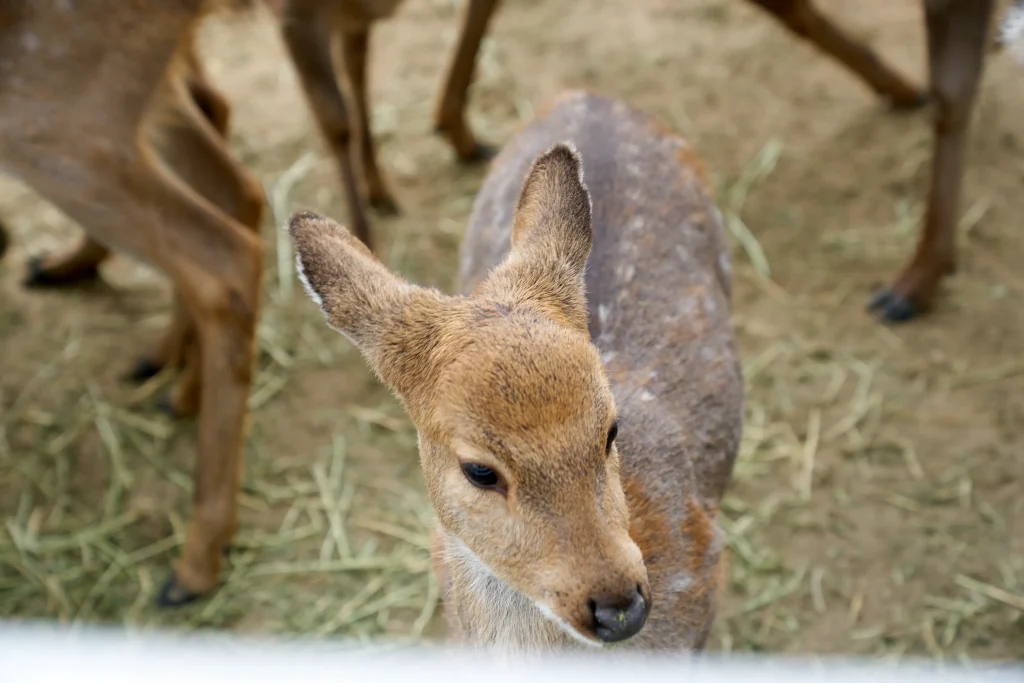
[553, 215]
[551, 240]
[392, 322]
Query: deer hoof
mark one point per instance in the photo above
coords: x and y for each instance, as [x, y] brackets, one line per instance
[39, 277]
[893, 307]
[173, 594]
[385, 205]
[481, 153]
[143, 370]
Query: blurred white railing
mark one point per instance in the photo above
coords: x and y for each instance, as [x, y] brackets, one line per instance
[35, 654]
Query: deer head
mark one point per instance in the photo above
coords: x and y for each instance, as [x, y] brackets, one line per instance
[515, 416]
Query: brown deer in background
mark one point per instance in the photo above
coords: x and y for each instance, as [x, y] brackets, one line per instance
[575, 446]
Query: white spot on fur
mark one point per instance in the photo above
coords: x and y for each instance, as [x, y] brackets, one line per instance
[725, 264]
[30, 42]
[709, 304]
[625, 272]
[679, 583]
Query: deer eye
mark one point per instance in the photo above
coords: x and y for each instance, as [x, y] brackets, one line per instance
[482, 476]
[612, 433]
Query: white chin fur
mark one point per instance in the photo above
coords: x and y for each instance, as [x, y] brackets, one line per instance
[507, 598]
[566, 627]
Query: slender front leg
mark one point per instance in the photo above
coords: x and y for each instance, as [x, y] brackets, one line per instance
[957, 35]
[308, 33]
[451, 112]
[195, 149]
[803, 19]
[355, 47]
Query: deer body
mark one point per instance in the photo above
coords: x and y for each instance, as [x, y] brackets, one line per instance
[523, 374]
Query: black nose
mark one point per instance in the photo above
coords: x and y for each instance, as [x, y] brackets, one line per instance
[619, 618]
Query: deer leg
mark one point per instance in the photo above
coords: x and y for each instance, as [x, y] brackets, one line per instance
[306, 28]
[957, 35]
[804, 20]
[75, 266]
[451, 112]
[192, 146]
[355, 46]
[216, 265]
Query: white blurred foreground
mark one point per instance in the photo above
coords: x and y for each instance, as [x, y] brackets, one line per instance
[34, 654]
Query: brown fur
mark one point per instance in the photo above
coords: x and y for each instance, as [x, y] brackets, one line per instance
[511, 376]
[106, 131]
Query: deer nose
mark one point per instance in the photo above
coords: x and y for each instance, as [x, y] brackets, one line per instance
[619, 618]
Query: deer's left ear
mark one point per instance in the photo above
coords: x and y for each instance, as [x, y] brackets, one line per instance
[551, 240]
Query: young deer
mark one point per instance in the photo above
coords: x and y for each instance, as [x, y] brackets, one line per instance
[107, 131]
[574, 452]
[310, 28]
[957, 37]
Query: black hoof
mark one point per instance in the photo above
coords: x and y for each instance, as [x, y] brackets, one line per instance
[481, 153]
[385, 206]
[173, 594]
[892, 307]
[144, 370]
[910, 104]
[40, 278]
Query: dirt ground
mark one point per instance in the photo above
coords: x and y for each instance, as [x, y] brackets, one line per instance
[877, 504]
